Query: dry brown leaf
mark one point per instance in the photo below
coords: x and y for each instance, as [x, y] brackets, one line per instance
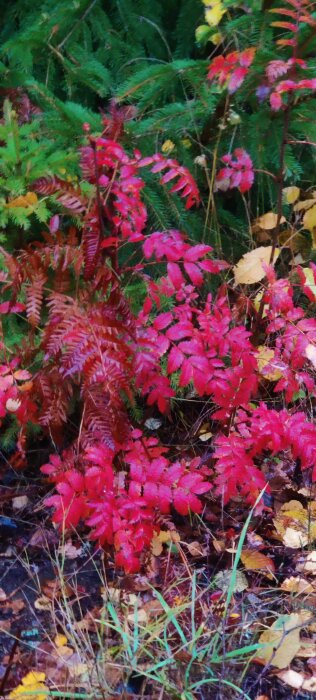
[219, 545]
[153, 608]
[257, 561]
[298, 585]
[70, 551]
[196, 549]
[249, 269]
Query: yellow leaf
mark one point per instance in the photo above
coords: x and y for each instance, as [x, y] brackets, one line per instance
[249, 269]
[167, 146]
[309, 218]
[296, 524]
[214, 14]
[295, 584]
[309, 280]
[257, 303]
[265, 357]
[32, 686]
[33, 677]
[291, 194]
[257, 561]
[304, 204]
[163, 537]
[269, 221]
[60, 640]
[217, 38]
[64, 652]
[202, 33]
[27, 200]
[282, 640]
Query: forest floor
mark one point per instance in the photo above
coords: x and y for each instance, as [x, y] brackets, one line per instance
[185, 627]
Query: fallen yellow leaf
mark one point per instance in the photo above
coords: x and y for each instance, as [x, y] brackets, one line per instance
[269, 221]
[32, 686]
[282, 640]
[249, 269]
[60, 640]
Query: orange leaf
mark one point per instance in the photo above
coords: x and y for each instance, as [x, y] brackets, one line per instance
[257, 561]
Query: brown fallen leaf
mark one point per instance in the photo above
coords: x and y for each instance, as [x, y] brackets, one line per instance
[69, 551]
[254, 560]
[196, 549]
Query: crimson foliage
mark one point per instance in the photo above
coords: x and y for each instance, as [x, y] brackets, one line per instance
[94, 352]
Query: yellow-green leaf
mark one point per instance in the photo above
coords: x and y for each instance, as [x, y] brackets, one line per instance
[291, 194]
